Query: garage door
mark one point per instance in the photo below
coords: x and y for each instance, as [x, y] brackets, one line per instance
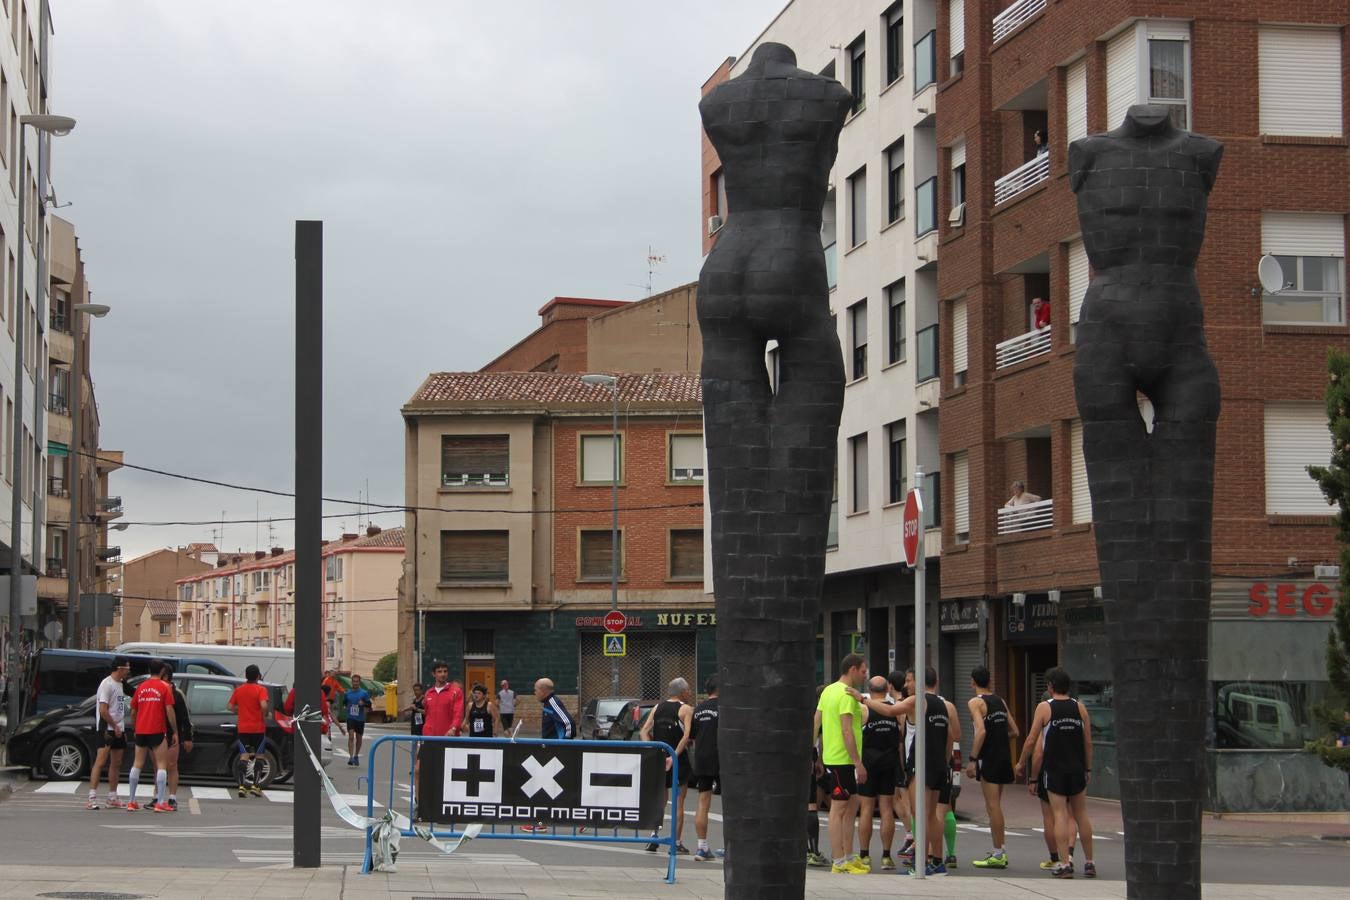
[653, 661]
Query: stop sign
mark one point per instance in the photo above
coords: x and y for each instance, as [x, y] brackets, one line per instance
[615, 622]
[913, 514]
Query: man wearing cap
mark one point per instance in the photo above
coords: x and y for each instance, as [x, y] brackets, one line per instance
[110, 720]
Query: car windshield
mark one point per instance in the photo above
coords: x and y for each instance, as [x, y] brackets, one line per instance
[609, 708]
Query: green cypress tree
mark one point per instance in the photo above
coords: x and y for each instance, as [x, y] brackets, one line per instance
[1334, 480]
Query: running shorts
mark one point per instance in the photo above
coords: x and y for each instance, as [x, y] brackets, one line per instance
[841, 777]
[880, 782]
[150, 740]
[1066, 784]
[1000, 772]
[356, 726]
[114, 741]
[703, 783]
[251, 743]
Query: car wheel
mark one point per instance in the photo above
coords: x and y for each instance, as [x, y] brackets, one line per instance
[65, 758]
[266, 769]
[283, 778]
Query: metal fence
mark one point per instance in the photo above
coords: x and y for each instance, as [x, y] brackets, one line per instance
[653, 660]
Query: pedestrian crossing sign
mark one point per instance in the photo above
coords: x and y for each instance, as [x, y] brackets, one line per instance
[616, 644]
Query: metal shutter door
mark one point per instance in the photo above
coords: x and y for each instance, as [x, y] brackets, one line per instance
[1078, 278]
[1300, 75]
[1075, 101]
[956, 16]
[1303, 234]
[961, 491]
[1296, 437]
[1081, 492]
[966, 656]
[1122, 76]
[960, 356]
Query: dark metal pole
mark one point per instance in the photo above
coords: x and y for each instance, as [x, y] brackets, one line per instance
[308, 523]
[73, 559]
[614, 530]
[16, 461]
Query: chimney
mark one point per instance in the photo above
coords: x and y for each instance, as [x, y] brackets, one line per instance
[277, 551]
[348, 537]
[372, 530]
[222, 562]
[259, 554]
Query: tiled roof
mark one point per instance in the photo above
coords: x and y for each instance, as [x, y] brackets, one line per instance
[556, 389]
[163, 607]
[389, 537]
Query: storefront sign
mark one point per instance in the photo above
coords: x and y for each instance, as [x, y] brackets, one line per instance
[1034, 621]
[959, 615]
[1285, 599]
[663, 620]
[682, 619]
[629, 621]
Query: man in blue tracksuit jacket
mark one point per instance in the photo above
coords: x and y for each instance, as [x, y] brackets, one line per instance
[555, 721]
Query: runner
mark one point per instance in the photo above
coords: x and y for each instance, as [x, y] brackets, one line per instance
[839, 722]
[110, 714]
[671, 721]
[288, 707]
[990, 760]
[707, 769]
[419, 714]
[249, 702]
[356, 701]
[181, 737]
[815, 777]
[1063, 763]
[902, 686]
[443, 711]
[480, 715]
[152, 705]
[881, 757]
[506, 706]
[1036, 789]
[555, 723]
[947, 798]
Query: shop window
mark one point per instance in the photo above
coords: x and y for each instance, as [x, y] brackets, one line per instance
[596, 551]
[686, 554]
[1266, 715]
[474, 556]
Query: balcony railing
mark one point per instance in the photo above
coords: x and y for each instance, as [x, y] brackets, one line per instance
[110, 505]
[59, 323]
[832, 265]
[1027, 517]
[465, 479]
[56, 486]
[925, 61]
[56, 567]
[1011, 19]
[925, 203]
[1023, 347]
[1027, 175]
[926, 367]
[59, 404]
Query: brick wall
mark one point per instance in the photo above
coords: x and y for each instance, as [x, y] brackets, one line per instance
[709, 163]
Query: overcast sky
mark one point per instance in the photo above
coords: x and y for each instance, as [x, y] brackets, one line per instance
[469, 160]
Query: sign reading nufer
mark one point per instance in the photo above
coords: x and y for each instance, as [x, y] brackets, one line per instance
[553, 783]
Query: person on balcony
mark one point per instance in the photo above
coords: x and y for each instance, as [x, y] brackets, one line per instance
[1020, 496]
[1038, 138]
[1040, 313]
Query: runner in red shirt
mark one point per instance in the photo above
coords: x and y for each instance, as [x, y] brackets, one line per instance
[443, 704]
[250, 702]
[152, 706]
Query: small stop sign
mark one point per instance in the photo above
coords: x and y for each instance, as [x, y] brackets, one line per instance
[913, 515]
[615, 622]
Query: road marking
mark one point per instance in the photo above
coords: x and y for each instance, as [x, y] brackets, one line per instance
[355, 801]
[59, 787]
[210, 793]
[194, 807]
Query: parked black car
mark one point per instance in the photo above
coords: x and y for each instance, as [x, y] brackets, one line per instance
[599, 715]
[61, 744]
[64, 677]
[627, 725]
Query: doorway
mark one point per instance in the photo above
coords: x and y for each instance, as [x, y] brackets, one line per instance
[480, 671]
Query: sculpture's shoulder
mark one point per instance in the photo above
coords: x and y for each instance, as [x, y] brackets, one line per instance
[1207, 153]
[1083, 154]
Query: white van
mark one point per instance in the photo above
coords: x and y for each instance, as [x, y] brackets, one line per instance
[277, 664]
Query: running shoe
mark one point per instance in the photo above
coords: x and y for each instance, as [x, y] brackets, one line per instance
[931, 870]
[703, 855]
[243, 792]
[862, 862]
[816, 860]
[533, 828]
[92, 803]
[173, 804]
[651, 848]
[846, 869]
[161, 808]
[132, 806]
[255, 790]
[1049, 864]
[991, 861]
[1089, 870]
[682, 849]
[720, 853]
[1062, 870]
[950, 861]
[887, 864]
[114, 802]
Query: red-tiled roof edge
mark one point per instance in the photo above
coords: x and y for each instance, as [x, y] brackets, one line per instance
[581, 301]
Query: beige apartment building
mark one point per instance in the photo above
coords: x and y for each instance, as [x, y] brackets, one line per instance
[147, 587]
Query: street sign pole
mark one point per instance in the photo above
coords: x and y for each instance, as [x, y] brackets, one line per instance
[920, 667]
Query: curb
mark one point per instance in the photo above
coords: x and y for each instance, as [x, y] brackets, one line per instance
[11, 777]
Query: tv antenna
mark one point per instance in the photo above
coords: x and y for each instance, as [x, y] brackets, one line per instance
[653, 260]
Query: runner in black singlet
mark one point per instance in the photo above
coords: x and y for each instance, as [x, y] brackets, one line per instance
[1064, 764]
[881, 757]
[481, 716]
[672, 721]
[991, 759]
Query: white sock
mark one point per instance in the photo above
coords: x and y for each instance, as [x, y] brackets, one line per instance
[173, 797]
[161, 784]
[133, 782]
[703, 843]
[93, 794]
[998, 851]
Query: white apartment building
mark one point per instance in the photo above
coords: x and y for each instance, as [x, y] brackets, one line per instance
[880, 237]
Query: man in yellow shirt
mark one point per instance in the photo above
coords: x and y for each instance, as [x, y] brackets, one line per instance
[838, 725]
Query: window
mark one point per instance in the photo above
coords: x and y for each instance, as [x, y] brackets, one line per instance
[895, 181]
[856, 69]
[925, 203]
[597, 458]
[207, 698]
[958, 162]
[961, 496]
[686, 554]
[895, 322]
[895, 42]
[857, 323]
[475, 460]
[330, 645]
[479, 642]
[1081, 490]
[956, 21]
[1296, 437]
[686, 458]
[896, 464]
[1075, 101]
[857, 202]
[1149, 63]
[1310, 248]
[1167, 68]
[596, 555]
[1078, 283]
[1300, 76]
[474, 556]
[718, 196]
[262, 580]
[332, 568]
[857, 446]
[832, 529]
[828, 237]
[960, 342]
[1267, 715]
[925, 61]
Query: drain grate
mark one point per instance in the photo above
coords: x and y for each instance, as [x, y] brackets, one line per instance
[91, 895]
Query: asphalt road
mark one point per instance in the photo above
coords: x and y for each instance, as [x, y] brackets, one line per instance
[46, 823]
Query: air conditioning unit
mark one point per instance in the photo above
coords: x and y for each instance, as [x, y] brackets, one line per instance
[714, 223]
[1326, 573]
[958, 215]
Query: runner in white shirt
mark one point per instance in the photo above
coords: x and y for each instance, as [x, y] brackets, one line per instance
[110, 710]
[506, 706]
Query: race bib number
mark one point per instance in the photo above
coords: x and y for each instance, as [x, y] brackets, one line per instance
[417, 718]
[354, 711]
[478, 726]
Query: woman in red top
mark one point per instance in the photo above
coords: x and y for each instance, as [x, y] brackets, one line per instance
[152, 705]
[250, 702]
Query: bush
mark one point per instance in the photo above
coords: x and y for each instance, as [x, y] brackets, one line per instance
[387, 668]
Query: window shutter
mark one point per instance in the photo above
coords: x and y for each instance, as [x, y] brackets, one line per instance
[474, 556]
[475, 455]
[1303, 234]
[1081, 492]
[597, 458]
[686, 457]
[597, 553]
[1122, 76]
[958, 154]
[961, 492]
[956, 16]
[1300, 76]
[960, 356]
[1296, 437]
[686, 553]
[1078, 278]
[1075, 101]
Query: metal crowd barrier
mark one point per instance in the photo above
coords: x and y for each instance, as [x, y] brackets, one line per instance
[510, 831]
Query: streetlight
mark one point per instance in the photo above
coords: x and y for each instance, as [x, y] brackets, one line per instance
[612, 382]
[53, 125]
[98, 311]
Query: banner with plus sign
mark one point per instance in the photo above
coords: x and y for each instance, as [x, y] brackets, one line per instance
[462, 780]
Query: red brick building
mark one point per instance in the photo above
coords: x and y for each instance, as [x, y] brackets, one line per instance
[1268, 80]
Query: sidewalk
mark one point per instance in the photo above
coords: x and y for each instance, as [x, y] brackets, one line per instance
[629, 883]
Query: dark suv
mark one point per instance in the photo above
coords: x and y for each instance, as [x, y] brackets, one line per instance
[64, 677]
[62, 743]
[599, 715]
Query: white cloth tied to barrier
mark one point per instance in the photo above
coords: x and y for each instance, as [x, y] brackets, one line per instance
[388, 828]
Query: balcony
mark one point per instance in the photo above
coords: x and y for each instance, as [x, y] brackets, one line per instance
[110, 506]
[1022, 178]
[58, 404]
[925, 61]
[1021, 348]
[56, 567]
[1027, 517]
[832, 265]
[1015, 16]
[926, 361]
[56, 486]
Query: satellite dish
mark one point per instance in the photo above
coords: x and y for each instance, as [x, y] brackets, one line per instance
[1270, 273]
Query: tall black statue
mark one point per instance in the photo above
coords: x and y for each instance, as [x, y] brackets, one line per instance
[1142, 194]
[771, 454]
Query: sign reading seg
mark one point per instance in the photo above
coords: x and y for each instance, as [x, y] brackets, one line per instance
[1285, 599]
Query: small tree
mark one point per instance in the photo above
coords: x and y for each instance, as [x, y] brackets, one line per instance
[1334, 480]
[387, 668]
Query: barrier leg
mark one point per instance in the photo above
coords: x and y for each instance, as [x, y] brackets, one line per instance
[674, 815]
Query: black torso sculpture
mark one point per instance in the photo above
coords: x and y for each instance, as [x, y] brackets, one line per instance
[1142, 195]
[770, 454]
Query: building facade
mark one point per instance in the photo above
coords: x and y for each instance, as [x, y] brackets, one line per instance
[152, 579]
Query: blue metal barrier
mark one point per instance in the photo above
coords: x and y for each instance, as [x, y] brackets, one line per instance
[555, 833]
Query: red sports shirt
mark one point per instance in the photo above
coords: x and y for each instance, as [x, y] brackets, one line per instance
[248, 699]
[444, 709]
[148, 703]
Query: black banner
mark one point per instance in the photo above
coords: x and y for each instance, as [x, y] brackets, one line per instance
[476, 781]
